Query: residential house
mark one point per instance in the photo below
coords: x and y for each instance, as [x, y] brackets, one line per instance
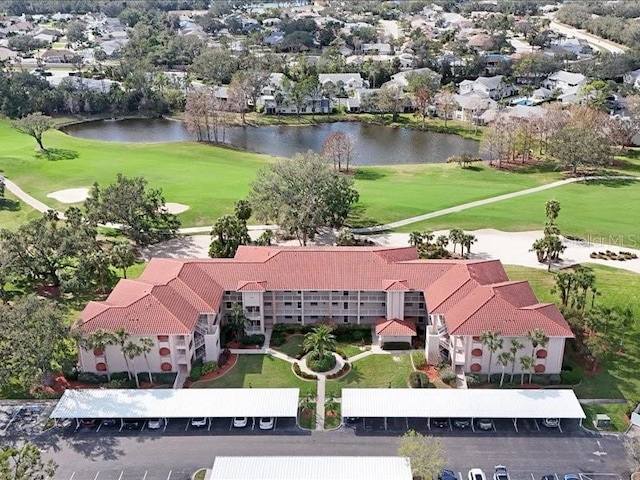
[470, 107]
[492, 87]
[182, 303]
[376, 49]
[341, 83]
[402, 78]
[7, 54]
[55, 55]
[567, 85]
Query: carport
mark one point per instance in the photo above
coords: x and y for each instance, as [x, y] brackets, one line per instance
[182, 403]
[311, 468]
[460, 403]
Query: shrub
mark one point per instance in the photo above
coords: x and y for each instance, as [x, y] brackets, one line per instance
[124, 376]
[475, 379]
[304, 329]
[555, 379]
[396, 346]
[71, 375]
[447, 374]
[256, 339]
[321, 364]
[223, 359]
[300, 373]
[92, 378]
[571, 377]
[418, 380]
[345, 368]
[209, 367]
[342, 353]
[541, 379]
[117, 384]
[196, 370]
[277, 338]
[419, 360]
[166, 378]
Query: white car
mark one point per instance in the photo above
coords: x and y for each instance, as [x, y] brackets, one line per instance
[240, 422]
[551, 422]
[266, 423]
[199, 422]
[155, 423]
[476, 474]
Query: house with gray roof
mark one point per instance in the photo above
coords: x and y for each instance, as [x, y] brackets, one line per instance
[490, 87]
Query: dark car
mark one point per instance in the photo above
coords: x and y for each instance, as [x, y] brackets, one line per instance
[447, 474]
[462, 422]
[88, 422]
[351, 420]
[109, 422]
[550, 476]
[131, 424]
[440, 422]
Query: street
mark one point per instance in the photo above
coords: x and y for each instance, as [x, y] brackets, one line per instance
[150, 455]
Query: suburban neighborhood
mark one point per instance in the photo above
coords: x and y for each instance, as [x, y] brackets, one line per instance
[254, 240]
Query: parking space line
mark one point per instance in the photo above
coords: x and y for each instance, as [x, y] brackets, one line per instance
[145, 475]
[72, 475]
[96, 477]
[169, 476]
[121, 474]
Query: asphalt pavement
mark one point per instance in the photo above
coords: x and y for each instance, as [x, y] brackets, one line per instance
[151, 455]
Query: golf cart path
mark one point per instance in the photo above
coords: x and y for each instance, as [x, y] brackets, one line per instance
[41, 207]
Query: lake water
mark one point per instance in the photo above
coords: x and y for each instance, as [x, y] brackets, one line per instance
[374, 144]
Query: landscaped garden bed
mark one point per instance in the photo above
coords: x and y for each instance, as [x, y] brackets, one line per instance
[307, 416]
[332, 416]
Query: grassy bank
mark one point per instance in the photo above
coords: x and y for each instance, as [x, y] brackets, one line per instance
[598, 211]
[618, 377]
[210, 179]
[14, 213]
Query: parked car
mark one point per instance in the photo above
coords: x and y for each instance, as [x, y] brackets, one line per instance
[572, 476]
[447, 474]
[551, 422]
[266, 423]
[109, 422]
[485, 424]
[462, 422]
[131, 424]
[550, 476]
[351, 420]
[155, 423]
[476, 474]
[501, 473]
[440, 422]
[88, 422]
[240, 422]
[199, 422]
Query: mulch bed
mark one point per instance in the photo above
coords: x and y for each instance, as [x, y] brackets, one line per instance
[239, 346]
[431, 372]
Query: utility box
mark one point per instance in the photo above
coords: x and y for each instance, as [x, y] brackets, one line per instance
[602, 421]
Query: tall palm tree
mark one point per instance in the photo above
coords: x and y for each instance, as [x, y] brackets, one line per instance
[132, 350]
[415, 238]
[514, 347]
[121, 336]
[100, 340]
[238, 321]
[504, 359]
[537, 338]
[319, 341]
[493, 341]
[527, 364]
[331, 403]
[146, 344]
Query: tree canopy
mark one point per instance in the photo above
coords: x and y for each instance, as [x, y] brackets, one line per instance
[25, 463]
[425, 452]
[141, 212]
[301, 195]
[34, 125]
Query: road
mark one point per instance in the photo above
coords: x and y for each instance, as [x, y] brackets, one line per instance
[150, 455]
[594, 41]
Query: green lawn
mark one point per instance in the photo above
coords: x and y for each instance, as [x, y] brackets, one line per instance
[14, 213]
[210, 179]
[374, 371]
[352, 350]
[293, 346]
[260, 371]
[619, 375]
[617, 413]
[600, 212]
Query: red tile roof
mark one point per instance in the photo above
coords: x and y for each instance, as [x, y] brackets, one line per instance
[395, 327]
[473, 295]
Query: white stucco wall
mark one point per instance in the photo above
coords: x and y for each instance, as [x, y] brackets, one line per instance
[395, 304]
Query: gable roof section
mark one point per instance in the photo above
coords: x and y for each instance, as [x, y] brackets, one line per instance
[395, 327]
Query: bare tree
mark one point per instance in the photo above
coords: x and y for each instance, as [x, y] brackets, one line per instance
[338, 148]
[207, 115]
[446, 103]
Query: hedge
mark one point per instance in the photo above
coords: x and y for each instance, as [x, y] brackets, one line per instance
[92, 378]
[345, 368]
[209, 367]
[396, 346]
[418, 380]
[300, 373]
[256, 339]
[196, 370]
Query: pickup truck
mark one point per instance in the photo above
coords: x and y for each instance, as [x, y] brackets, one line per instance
[501, 473]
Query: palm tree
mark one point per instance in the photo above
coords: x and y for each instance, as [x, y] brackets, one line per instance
[122, 256]
[146, 344]
[331, 404]
[538, 338]
[455, 235]
[415, 238]
[131, 351]
[527, 364]
[466, 241]
[121, 336]
[504, 359]
[100, 340]
[515, 346]
[493, 341]
[238, 321]
[307, 401]
[319, 341]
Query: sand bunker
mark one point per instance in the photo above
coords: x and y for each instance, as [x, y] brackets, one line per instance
[70, 195]
[176, 208]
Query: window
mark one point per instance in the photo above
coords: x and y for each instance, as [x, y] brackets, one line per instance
[314, 304]
[267, 304]
[299, 304]
[287, 304]
[345, 305]
[335, 304]
[229, 305]
[299, 319]
[288, 317]
[421, 305]
[345, 319]
[384, 304]
[314, 317]
[420, 319]
[345, 293]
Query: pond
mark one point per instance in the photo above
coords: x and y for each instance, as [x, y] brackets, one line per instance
[374, 144]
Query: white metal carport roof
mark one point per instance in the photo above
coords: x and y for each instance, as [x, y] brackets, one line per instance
[447, 403]
[311, 468]
[187, 403]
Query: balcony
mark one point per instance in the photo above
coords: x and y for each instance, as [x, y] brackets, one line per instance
[459, 357]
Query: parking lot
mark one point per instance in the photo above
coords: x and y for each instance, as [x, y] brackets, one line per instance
[182, 427]
[447, 427]
[23, 419]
